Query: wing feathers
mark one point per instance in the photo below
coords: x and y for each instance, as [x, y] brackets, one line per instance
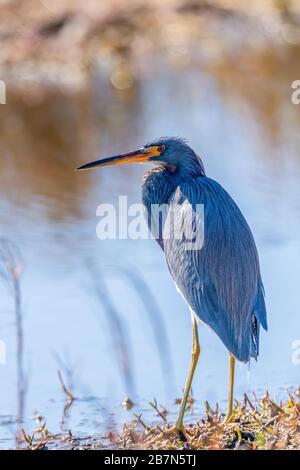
[221, 282]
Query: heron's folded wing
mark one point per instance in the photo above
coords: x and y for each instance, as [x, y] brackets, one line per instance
[220, 280]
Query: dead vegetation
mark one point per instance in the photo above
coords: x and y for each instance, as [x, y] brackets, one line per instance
[256, 425]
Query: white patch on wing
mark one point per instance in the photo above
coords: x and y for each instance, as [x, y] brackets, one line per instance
[193, 314]
[179, 291]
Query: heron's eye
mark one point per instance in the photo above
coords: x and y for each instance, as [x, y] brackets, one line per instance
[161, 148]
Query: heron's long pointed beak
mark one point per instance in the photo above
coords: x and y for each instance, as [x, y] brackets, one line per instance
[140, 155]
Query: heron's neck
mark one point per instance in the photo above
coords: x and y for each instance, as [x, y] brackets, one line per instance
[189, 166]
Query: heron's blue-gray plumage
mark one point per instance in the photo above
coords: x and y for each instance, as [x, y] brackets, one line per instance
[221, 282]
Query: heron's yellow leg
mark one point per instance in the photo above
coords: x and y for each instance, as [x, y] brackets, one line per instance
[230, 388]
[193, 364]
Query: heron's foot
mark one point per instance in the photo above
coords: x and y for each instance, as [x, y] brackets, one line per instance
[174, 431]
[178, 431]
[229, 418]
[181, 434]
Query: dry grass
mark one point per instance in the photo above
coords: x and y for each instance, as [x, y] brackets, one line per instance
[256, 425]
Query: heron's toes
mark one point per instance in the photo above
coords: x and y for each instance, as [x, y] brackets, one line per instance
[180, 432]
[229, 419]
[177, 431]
[174, 431]
[181, 435]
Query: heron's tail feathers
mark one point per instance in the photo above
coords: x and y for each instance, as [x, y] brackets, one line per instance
[254, 344]
[258, 317]
[260, 307]
[248, 344]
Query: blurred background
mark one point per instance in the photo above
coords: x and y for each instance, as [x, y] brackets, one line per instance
[85, 79]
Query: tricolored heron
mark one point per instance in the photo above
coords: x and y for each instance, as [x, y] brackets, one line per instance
[220, 280]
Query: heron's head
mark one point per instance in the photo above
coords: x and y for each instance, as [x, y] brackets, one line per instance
[171, 152]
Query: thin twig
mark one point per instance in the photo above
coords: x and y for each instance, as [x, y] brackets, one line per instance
[70, 397]
[160, 413]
